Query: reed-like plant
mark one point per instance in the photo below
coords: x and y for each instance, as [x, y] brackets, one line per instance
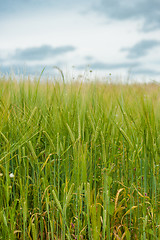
[79, 160]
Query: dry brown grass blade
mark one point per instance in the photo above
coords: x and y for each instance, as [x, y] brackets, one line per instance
[117, 196]
[128, 212]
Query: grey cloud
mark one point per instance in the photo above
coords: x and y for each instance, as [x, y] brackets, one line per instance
[137, 9]
[36, 70]
[143, 71]
[141, 48]
[89, 58]
[115, 9]
[8, 7]
[20, 69]
[133, 67]
[40, 53]
[108, 66]
[12, 7]
[28, 69]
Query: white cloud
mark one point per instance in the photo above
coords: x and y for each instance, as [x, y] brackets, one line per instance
[99, 34]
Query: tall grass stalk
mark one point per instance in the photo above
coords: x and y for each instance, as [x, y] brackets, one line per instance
[79, 160]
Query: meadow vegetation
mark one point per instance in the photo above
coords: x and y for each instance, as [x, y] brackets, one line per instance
[79, 160]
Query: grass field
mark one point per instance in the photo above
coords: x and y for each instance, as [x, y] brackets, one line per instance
[79, 160]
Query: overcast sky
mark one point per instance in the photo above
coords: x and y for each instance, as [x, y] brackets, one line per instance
[111, 36]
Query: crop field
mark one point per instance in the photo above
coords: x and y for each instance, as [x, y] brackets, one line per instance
[79, 160]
